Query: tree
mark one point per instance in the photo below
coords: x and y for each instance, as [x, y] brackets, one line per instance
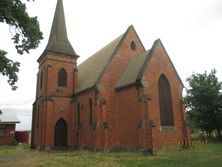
[26, 35]
[204, 101]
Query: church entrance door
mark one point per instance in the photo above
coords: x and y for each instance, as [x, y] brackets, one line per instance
[60, 134]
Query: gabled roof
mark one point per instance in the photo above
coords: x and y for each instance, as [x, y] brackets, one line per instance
[58, 41]
[8, 119]
[159, 41]
[130, 74]
[135, 69]
[91, 69]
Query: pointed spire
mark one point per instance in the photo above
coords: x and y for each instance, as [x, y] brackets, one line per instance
[58, 40]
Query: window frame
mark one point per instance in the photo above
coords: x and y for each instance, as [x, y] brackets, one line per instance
[78, 114]
[38, 115]
[2, 129]
[41, 80]
[165, 102]
[133, 45]
[62, 78]
[90, 112]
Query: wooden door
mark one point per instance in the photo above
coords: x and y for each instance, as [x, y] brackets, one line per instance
[60, 136]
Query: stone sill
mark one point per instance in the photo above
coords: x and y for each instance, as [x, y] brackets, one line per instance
[167, 128]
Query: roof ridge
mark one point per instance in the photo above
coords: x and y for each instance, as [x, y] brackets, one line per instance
[106, 62]
[93, 78]
[106, 46]
[132, 27]
[171, 62]
[129, 75]
[150, 53]
[117, 47]
[140, 75]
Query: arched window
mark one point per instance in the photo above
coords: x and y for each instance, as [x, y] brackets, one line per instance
[38, 117]
[133, 45]
[78, 120]
[78, 114]
[90, 112]
[165, 101]
[62, 78]
[41, 80]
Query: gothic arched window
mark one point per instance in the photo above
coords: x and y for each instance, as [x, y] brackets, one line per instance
[62, 78]
[78, 120]
[78, 114]
[165, 101]
[133, 45]
[90, 112]
[38, 115]
[41, 80]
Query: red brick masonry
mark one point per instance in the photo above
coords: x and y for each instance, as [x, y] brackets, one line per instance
[9, 134]
[121, 118]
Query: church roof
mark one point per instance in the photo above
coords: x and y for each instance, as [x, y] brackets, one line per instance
[131, 73]
[135, 69]
[58, 41]
[91, 69]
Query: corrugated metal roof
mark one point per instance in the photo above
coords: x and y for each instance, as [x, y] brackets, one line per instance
[7, 119]
[91, 69]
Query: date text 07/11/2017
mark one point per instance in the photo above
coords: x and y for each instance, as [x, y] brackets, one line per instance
[192, 143]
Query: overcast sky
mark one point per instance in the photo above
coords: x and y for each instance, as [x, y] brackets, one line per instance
[189, 29]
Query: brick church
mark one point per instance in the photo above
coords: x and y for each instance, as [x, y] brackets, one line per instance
[123, 96]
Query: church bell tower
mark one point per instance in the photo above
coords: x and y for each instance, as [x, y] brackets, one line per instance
[53, 111]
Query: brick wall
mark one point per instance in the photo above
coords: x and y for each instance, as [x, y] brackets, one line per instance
[9, 134]
[22, 136]
[128, 114]
[110, 78]
[87, 135]
[53, 102]
[120, 118]
[160, 64]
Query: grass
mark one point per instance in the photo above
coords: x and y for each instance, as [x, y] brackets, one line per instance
[204, 156]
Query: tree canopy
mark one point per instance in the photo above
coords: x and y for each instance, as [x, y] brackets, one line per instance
[204, 101]
[26, 35]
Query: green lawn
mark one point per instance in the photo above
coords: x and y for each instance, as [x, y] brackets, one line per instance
[203, 156]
